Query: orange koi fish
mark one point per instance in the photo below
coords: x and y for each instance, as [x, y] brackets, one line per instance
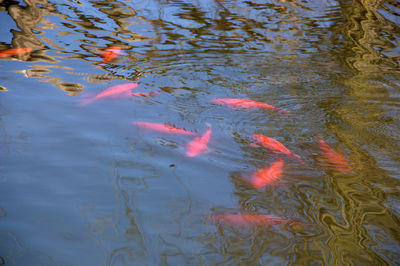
[15, 51]
[109, 54]
[115, 91]
[198, 144]
[245, 103]
[244, 220]
[274, 145]
[267, 175]
[164, 128]
[145, 94]
[335, 159]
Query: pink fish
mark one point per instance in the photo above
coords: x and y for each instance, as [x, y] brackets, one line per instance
[245, 220]
[245, 103]
[109, 54]
[274, 145]
[199, 144]
[335, 159]
[113, 92]
[15, 51]
[164, 128]
[267, 175]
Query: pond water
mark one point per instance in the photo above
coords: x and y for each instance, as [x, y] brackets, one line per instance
[80, 184]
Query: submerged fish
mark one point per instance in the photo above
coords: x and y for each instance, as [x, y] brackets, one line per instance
[15, 51]
[335, 159]
[164, 128]
[109, 54]
[115, 91]
[245, 103]
[199, 144]
[244, 220]
[274, 145]
[267, 175]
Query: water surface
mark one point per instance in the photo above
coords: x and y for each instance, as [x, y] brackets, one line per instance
[81, 185]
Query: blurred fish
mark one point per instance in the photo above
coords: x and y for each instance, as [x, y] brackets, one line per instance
[109, 54]
[335, 159]
[145, 94]
[199, 144]
[274, 145]
[15, 51]
[164, 128]
[267, 175]
[245, 220]
[113, 92]
[245, 103]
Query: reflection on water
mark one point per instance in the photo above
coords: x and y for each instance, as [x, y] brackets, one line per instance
[84, 182]
[374, 41]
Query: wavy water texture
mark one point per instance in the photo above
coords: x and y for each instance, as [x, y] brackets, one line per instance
[373, 30]
[84, 183]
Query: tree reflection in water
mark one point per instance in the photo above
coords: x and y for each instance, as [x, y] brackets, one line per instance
[333, 64]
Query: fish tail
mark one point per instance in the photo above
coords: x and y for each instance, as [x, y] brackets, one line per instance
[87, 101]
[282, 111]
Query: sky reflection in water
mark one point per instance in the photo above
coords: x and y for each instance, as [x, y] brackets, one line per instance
[84, 182]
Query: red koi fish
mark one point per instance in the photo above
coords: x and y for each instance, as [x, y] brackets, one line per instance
[245, 103]
[115, 91]
[145, 94]
[164, 128]
[109, 54]
[274, 145]
[199, 144]
[15, 51]
[267, 175]
[245, 220]
[335, 159]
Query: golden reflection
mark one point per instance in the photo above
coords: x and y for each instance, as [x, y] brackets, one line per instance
[26, 19]
[49, 41]
[346, 209]
[360, 125]
[33, 27]
[43, 73]
[372, 38]
[99, 78]
[360, 205]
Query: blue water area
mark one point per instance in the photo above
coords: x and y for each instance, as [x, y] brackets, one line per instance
[81, 184]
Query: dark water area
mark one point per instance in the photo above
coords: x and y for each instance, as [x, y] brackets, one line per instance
[82, 185]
